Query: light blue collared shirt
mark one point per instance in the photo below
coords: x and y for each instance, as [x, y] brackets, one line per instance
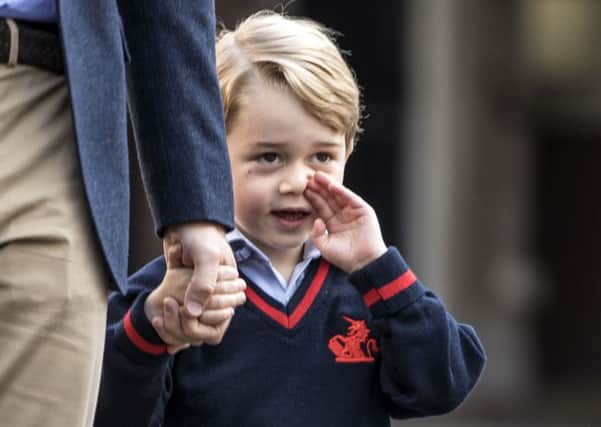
[30, 10]
[257, 267]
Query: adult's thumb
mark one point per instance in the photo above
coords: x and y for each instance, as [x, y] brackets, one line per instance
[174, 256]
[200, 288]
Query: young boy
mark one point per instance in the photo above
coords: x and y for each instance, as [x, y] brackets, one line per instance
[336, 329]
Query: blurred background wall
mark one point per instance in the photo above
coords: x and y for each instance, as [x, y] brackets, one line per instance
[480, 155]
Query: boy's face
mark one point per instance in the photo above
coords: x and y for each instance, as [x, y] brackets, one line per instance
[275, 146]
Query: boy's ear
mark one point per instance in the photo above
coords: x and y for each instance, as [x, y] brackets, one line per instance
[174, 256]
[349, 148]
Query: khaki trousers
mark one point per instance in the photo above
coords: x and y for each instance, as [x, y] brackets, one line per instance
[52, 280]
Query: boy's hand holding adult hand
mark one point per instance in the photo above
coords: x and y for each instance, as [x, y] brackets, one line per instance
[174, 325]
[179, 330]
[346, 230]
[204, 248]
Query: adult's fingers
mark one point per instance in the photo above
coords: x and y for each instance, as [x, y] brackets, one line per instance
[202, 284]
[228, 255]
[173, 255]
[226, 272]
[203, 248]
[230, 287]
[213, 253]
[219, 301]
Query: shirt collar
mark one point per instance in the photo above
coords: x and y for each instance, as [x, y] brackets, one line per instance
[244, 249]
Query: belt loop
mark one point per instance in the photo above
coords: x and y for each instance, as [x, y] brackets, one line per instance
[13, 54]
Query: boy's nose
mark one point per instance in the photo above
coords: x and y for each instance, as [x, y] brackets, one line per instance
[295, 182]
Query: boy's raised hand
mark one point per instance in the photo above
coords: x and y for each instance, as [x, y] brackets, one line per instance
[346, 230]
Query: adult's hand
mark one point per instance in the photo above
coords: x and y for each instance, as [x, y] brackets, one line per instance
[203, 248]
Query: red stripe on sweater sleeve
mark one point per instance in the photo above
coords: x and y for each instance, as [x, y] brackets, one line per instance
[138, 340]
[371, 297]
[397, 285]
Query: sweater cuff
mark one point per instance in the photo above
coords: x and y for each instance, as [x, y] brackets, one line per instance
[135, 335]
[387, 284]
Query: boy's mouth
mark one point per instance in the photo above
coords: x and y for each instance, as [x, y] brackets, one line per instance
[291, 215]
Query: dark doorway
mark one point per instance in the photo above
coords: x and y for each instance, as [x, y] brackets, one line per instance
[570, 243]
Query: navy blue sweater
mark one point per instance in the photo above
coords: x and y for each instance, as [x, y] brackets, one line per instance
[346, 351]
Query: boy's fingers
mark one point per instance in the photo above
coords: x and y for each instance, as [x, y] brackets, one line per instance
[159, 325]
[319, 203]
[185, 329]
[201, 332]
[342, 195]
[173, 349]
[172, 323]
[345, 196]
[318, 234]
[319, 228]
[215, 334]
[190, 327]
[338, 197]
[322, 178]
[216, 317]
[324, 185]
[328, 197]
[313, 184]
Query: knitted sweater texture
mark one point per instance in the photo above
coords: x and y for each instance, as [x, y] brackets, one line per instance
[347, 350]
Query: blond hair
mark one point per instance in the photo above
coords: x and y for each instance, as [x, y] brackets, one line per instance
[297, 54]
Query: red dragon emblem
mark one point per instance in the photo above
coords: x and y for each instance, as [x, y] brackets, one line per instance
[356, 346]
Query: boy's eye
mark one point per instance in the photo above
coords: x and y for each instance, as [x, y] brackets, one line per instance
[323, 157]
[268, 158]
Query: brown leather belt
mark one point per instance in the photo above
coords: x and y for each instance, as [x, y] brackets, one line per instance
[38, 45]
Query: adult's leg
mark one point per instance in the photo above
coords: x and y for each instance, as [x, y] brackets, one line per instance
[52, 277]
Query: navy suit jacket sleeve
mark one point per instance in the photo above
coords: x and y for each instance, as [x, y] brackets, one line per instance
[176, 110]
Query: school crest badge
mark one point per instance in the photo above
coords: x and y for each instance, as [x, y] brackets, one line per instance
[356, 346]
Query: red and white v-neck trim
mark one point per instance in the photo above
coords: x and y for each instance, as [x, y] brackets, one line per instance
[290, 321]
